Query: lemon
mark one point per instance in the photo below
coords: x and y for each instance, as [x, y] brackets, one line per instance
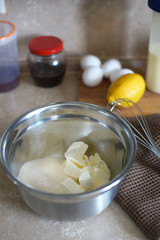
[131, 86]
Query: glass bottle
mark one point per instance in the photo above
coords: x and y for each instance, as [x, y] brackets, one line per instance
[153, 64]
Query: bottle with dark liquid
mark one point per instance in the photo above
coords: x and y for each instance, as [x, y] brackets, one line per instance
[47, 61]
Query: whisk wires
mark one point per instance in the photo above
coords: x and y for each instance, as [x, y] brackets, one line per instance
[144, 139]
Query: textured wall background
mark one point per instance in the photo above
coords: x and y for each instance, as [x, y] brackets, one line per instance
[107, 28]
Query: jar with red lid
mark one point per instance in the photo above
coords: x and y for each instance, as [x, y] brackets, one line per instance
[47, 60]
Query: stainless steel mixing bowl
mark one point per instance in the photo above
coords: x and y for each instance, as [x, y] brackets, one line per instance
[49, 130]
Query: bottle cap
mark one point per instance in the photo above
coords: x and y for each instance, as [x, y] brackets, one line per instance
[46, 45]
[154, 5]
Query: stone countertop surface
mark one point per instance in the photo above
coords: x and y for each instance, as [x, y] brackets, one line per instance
[17, 221]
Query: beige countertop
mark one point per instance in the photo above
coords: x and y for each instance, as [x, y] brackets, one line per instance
[17, 221]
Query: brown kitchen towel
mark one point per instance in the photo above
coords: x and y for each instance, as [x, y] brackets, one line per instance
[139, 194]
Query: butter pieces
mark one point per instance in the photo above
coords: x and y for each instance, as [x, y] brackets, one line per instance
[99, 176]
[84, 173]
[71, 169]
[70, 186]
[75, 153]
[99, 171]
[85, 179]
[96, 161]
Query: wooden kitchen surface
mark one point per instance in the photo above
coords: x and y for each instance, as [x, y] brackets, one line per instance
[149, 103]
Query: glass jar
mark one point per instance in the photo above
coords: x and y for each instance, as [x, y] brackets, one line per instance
[47, 60]
[153, 64]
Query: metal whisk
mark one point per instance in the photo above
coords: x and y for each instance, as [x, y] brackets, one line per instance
[145, 139]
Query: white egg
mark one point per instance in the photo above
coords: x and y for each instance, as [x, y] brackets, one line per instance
[119, 73]
[109, 66]
[92, 77]
[90, 61]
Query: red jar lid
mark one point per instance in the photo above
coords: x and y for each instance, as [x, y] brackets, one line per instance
[45, 45]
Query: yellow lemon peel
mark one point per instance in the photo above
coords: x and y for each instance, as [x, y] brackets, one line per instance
[131, 86]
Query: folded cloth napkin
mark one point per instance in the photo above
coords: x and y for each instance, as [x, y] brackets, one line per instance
[139, 194]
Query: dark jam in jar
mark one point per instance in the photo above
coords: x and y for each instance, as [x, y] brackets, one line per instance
[46, 75]
[47, 62]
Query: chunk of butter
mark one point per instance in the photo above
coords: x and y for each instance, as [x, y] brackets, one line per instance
[70, 186]
[95, 160]
[85, 179]
[99, 176]
[75, 153]
[71, 169]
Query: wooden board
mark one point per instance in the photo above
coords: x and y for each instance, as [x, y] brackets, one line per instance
[149, 103]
